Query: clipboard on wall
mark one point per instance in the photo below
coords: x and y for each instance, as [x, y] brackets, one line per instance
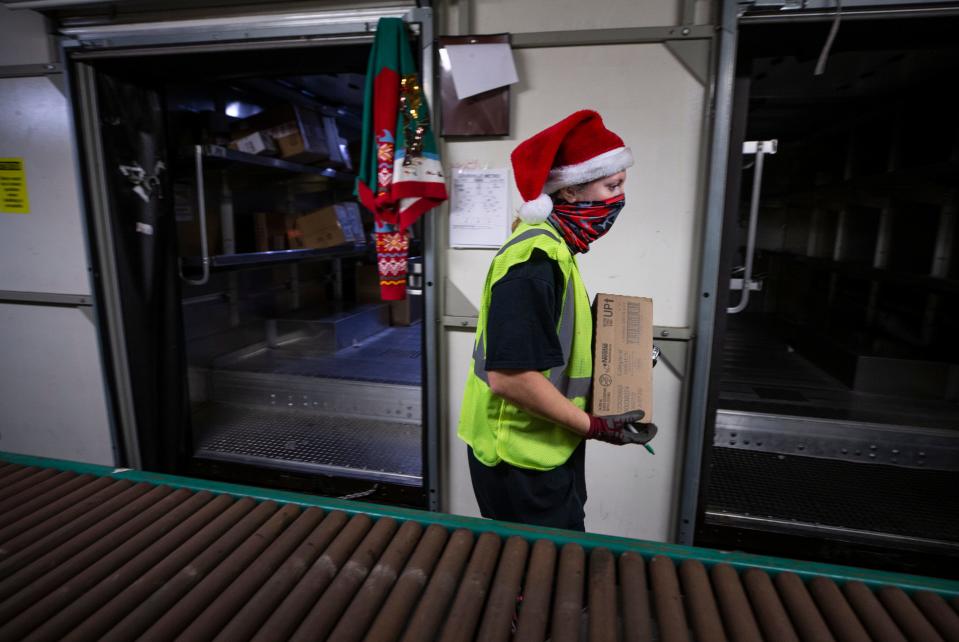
[485, 114]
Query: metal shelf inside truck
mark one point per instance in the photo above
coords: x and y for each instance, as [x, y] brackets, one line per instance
[222, 262]
[225, 154]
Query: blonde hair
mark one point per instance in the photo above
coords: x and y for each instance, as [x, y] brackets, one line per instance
[553, 197]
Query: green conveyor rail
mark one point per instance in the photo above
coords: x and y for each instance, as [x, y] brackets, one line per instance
[740, 561]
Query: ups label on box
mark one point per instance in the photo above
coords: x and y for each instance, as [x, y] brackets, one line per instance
[622, 361]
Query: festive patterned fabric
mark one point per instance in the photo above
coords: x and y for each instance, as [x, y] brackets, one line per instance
[391, 250]
[584, 222]
[400, 176]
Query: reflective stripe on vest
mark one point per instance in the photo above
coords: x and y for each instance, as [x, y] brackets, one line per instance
[571, 387]
[528, 234]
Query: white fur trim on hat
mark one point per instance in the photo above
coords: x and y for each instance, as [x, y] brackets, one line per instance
[605, 164]
[536, 210]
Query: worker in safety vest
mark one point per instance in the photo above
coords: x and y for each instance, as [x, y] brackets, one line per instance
[524, 410]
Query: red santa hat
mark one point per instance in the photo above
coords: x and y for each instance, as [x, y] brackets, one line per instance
[576, 150]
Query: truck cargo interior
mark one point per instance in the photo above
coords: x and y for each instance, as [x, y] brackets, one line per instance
[260, 350]
[836, 387]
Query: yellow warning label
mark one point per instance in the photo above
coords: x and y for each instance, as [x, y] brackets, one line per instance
[13, 187]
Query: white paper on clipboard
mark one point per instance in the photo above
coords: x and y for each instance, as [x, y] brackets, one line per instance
[479, 208]
[479, 68]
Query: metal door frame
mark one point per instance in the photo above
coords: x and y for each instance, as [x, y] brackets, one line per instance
[94, 208]
[302, 29]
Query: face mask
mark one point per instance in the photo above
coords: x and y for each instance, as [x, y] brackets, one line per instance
[583, 222]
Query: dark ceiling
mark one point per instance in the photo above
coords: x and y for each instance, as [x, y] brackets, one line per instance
[871, 63]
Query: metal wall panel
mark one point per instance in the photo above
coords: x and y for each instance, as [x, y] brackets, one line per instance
[45, 250]
[24, 39]
[52, 396]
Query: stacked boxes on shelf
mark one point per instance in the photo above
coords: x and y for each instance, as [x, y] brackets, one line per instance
[292, 133]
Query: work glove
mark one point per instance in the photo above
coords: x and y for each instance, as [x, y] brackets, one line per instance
[656, 352]
[622, 429]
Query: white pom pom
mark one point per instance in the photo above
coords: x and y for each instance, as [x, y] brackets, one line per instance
[536, 210]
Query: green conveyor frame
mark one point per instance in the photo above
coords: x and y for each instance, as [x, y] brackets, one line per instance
[740, 561]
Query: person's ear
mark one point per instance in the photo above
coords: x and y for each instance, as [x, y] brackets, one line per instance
[567, 194]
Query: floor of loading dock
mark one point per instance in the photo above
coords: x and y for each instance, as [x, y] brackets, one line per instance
[304, 441]
[390, 356]
[355, 412]
[796, 452]
[824, 494]
[89, 553]
[761, 372]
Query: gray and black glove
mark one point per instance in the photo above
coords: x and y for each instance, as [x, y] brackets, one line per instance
[621, 429]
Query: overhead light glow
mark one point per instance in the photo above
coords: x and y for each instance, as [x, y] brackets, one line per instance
[240, 109]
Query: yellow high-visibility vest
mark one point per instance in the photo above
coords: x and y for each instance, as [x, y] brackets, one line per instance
[496, 429]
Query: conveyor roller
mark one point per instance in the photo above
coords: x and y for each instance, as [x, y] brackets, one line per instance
[121, 555]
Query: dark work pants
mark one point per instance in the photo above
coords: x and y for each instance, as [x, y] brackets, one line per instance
[552, 498]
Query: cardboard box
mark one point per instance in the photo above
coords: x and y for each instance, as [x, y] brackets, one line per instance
[256, 143]
[301, 137]
[298, 134]
[348, 214]
[406, 312]
[319, 229]
[298, 148]
[623, 349]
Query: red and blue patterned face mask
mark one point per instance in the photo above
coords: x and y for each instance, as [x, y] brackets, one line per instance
[583, 222]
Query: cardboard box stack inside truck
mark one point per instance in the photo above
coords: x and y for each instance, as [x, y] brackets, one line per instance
[449, 321]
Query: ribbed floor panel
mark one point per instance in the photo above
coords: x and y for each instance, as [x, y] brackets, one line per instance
[305, 441]
[908, 502]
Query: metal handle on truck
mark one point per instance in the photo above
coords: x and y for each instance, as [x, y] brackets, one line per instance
[201, 209]
[759, 148]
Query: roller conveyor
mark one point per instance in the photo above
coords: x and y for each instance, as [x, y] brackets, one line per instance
[90, 553]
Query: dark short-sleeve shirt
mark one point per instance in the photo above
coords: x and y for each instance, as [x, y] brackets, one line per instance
[525, 305]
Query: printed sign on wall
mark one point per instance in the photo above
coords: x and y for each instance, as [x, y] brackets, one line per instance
[479, 208]
[13, 187]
